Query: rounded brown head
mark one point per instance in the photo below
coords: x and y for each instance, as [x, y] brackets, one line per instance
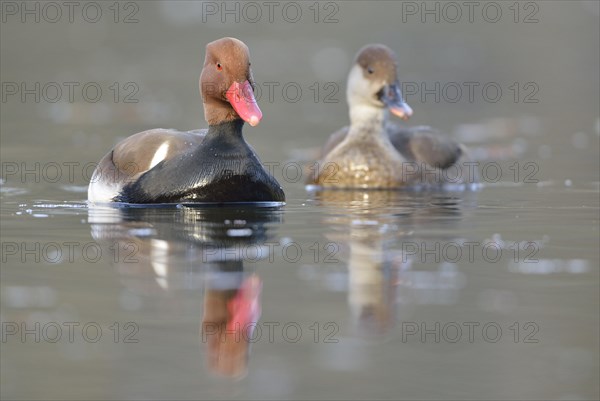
[226, 83]
[373, 81]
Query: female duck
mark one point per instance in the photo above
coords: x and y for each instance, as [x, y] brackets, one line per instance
[374, 153]
[214, 165]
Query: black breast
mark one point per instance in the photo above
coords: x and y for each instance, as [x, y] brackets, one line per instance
[223, 168]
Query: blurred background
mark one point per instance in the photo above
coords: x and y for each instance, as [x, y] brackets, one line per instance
[76, 81]
[550, 53]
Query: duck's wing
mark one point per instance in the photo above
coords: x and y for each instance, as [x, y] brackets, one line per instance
[424, 144]
[136, 155]
[141, 152]
[334, 140]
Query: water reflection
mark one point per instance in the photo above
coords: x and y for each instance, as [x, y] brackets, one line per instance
[188, 248]
[379, 230]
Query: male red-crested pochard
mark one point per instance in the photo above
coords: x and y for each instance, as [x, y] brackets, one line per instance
[208, 165]
[373, 152]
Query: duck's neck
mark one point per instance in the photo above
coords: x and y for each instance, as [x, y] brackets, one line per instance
[226, 131]
[367, 122]
[217, 111]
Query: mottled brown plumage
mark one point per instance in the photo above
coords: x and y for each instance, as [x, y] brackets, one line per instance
[373, 152]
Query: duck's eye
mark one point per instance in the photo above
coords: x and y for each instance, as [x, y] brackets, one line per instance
[369, 70]
[219, 67]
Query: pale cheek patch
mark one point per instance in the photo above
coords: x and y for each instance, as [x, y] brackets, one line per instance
[160, 155]
[361, 90]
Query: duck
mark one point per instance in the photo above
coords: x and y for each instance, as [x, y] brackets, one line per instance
[375, 153]
[204, 165]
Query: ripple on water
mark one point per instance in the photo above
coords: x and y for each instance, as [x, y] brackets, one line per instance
[44, 209]
[79, 189]
[12, 191]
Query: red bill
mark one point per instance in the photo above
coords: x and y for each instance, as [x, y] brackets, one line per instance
[402, 110]
[241, 97]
